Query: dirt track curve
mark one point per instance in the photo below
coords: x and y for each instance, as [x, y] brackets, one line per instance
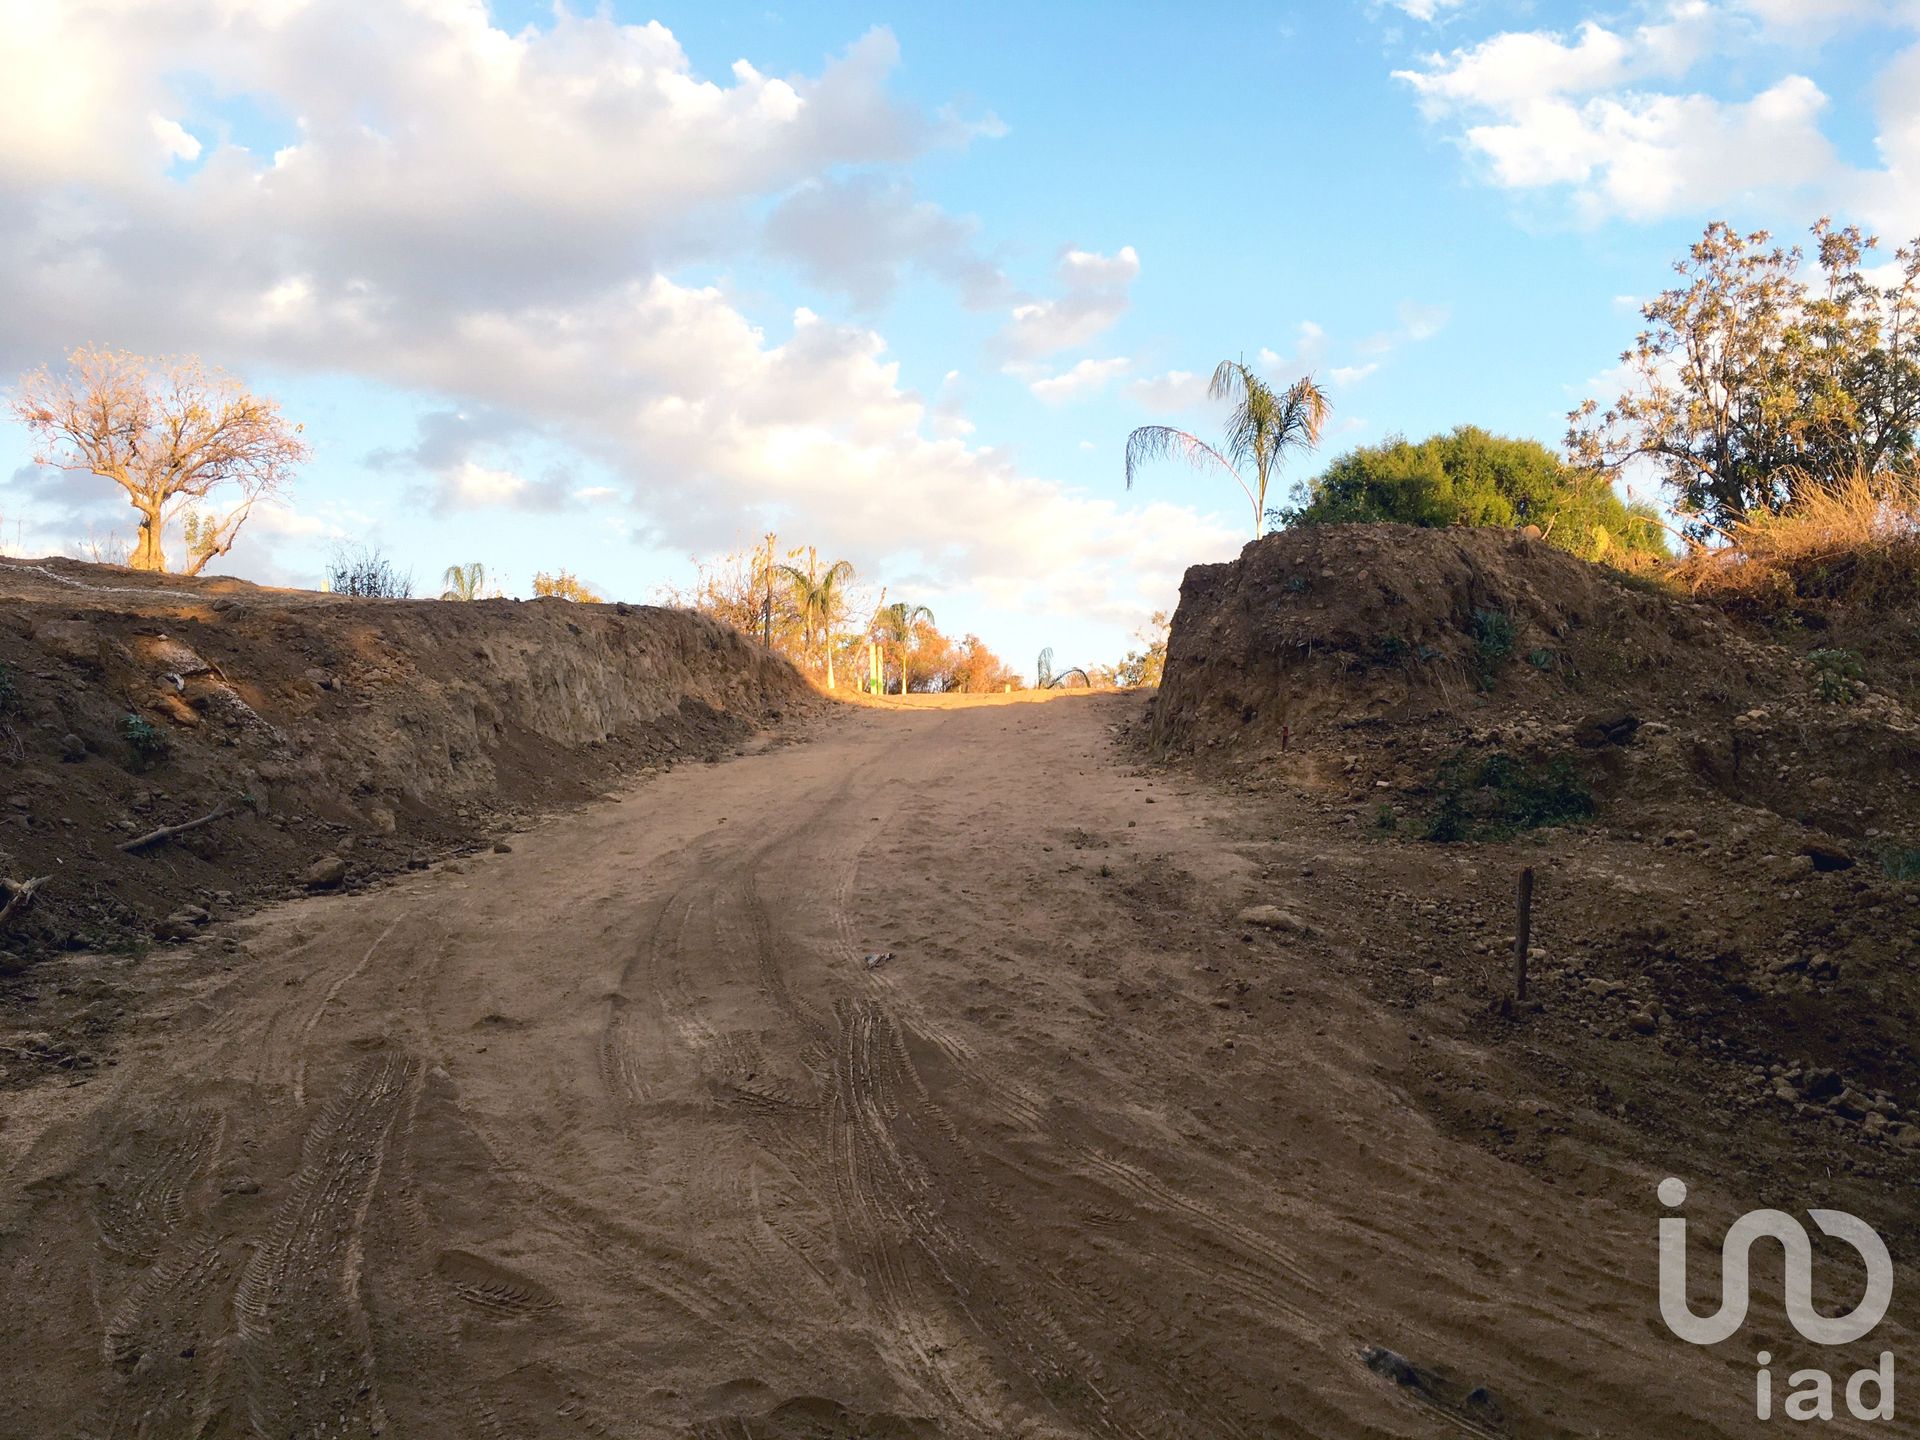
[618, 1134]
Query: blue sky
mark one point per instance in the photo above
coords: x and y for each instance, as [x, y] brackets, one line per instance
[611, 289]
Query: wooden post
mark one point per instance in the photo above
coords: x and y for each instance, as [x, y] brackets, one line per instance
[1522, 934]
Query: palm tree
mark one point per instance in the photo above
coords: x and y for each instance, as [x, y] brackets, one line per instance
[1264, 426]
[464, 582]
[820, 597]
[896, 622]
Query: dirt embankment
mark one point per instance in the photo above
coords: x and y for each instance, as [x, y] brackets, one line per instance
[1725, 821]
[345, 737]
[1386, 650]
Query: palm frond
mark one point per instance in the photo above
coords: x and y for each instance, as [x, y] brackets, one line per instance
[1161, 442]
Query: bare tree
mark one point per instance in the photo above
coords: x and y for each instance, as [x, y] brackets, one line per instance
[171, 434]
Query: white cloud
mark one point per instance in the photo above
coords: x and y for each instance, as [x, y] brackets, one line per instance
[1344, 375]
[495, 220]
[1541, 111]
[1089, 377]
[1425, 10]
[1094, 295]
[1175, 390]
[1800, 20]
[857, 234]
[1423, 322]
[1309, 349]
[174, 138]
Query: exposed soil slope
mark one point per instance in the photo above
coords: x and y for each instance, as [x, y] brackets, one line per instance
[1728, 973]
[368, 731]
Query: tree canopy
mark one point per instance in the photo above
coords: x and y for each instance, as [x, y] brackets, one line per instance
[1755, 380]
[1470, 476]
[174, 435]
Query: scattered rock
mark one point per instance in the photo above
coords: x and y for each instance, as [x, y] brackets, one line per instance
[327, 873]
[1821, 1084]
[72, 749]
[1827, 858]
[72, 640]
[1391, 1365]
[501, 847]
[1610, 727]
[1272, 917]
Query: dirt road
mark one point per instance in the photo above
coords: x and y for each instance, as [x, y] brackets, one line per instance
[620, 1134]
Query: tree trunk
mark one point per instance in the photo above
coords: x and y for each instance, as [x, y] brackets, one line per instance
[903, 669]
[829, 648]
[147, 554]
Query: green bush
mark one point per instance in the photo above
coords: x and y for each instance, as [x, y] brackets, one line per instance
[144, 738]
[1493, 636]
[1496, 796]
[1470, 476]
[1901, 864]
[1834, 674]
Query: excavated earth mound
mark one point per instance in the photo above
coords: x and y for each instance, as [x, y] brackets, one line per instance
[342, 737]
[1386, 651]
[1724, 820]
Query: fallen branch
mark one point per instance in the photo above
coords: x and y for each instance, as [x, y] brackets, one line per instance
[19, 895]
[167, 832]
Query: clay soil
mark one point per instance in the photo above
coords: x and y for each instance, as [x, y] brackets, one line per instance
[922, 1070]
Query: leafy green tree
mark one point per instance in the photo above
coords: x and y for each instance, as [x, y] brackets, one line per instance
[1750, 383]
[1471, 477]
[1266, 424]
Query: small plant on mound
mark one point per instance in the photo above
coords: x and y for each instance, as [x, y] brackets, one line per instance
[1493, 635]
[1836, 674]
[1497, 796]
[365, 572]
[144, 739]
[1901, 863]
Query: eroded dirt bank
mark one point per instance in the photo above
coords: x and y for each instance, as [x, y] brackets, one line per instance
[344, 737]
[622, 1133]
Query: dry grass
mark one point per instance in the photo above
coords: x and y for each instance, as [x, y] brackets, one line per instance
[1853, 542]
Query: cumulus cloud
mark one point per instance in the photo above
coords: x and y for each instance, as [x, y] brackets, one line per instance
[1423, 322]
[1088, 377]
[1175, 390]
[494, 219]
[1540, 110]
[1425, 10]
[1094, 293]
[857, 235]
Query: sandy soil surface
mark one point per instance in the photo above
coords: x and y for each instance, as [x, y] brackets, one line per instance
[622, 1133]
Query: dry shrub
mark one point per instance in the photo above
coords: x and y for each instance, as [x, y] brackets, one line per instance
[1854, 542]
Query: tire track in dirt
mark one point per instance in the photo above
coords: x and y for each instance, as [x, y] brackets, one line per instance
[303, 1334]
[340, 982]
[140, 1205]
